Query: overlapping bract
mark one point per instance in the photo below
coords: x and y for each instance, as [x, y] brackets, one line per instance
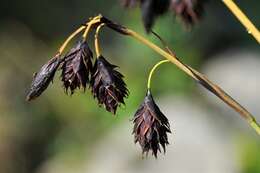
[190, 11]
[76, 67]
[107, 85]
[42, 79]
[150, 126]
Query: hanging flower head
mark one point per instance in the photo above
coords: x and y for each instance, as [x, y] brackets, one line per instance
[150, 126]
[151, 9]
[76, 67]
[107, 85]
[190, 11]
[42, 79]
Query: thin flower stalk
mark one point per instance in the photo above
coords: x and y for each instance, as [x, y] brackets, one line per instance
[97, 47]
[152, 72]
[61, 49]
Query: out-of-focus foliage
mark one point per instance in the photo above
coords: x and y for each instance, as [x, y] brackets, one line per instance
[60, 126]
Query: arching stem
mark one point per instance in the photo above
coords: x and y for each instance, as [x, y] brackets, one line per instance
[91, 23]
[152, 72]
[97, 47]
[201, 79]
[61, 49]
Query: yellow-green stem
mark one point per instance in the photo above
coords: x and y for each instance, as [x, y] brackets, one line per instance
[70, 38]
[251, 29]
[255, 126]
[97, 47]
[152, 71]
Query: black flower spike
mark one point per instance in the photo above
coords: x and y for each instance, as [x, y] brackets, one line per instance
[151, 126]
[76, 67]
[42, 79]
[190, 11]
[151, 9]
[107, 85]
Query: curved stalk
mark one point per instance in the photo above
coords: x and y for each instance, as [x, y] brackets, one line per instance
[61, 49]
[86, 32]
[251, 29]
[93, 21]
[87, 29]
[97, 47]
[152, 72]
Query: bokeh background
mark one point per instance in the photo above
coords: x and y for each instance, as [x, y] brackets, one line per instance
[58, 133]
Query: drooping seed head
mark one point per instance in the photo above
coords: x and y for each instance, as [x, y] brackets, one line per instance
[42, 79]
[151, 9]
[151, 127]
[76, 67]
[190, 11]
[107, 85]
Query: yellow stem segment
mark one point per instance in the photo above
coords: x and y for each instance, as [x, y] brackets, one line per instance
[251, 29]
[97, 47]
[87, 29]
[90, 24]
[152, 72]
[69, 39]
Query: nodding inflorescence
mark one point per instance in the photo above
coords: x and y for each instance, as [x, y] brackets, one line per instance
[76, 67]
[107, 85]
[151, 126]
[81, 70]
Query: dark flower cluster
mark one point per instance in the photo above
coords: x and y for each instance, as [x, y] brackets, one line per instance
[190, 11]
[150, 126]
[106, 83]
[80, 70]
[76, 67]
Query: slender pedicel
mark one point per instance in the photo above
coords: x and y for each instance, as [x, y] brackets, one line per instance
[97, 47]
[152, 72]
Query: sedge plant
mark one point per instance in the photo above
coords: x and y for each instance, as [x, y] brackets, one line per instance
[80, 69]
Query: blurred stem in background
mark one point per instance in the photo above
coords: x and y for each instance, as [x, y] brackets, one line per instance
[251, 29]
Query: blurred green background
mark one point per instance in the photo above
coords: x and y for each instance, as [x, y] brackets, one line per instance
[57, 128]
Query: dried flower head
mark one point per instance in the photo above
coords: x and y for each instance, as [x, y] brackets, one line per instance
[76, 67]
[150, 126]
[42, 79]
[107, 85]
[151, 9]
[190, 11]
